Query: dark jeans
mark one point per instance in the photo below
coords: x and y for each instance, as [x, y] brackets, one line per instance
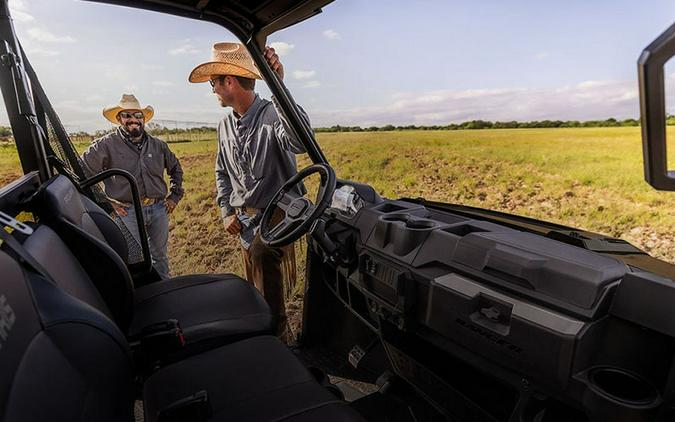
[263, 268]
[157, 228]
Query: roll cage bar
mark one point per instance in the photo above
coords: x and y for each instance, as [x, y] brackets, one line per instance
[29, 134]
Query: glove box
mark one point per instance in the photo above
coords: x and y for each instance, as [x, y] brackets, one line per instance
[524, 337]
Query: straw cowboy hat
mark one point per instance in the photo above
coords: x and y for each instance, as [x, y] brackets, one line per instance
[128, 102]
[227, 58]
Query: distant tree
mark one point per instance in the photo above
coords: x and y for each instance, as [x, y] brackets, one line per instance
[476, 124]
[505, 125]
[5, 131]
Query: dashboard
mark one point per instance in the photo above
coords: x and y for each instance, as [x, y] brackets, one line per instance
[491, 298]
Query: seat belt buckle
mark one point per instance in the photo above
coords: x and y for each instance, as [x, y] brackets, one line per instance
[194, 408]
[9, 221]
[163, 337]
[155, 344]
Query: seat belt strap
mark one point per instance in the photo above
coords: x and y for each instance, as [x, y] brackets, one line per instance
[16, 247]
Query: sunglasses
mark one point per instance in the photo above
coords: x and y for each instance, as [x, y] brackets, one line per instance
[129, 115]
[213, 81]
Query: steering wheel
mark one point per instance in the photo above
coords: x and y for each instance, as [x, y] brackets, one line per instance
[299, 212]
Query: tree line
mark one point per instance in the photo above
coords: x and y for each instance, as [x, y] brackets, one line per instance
[157, 130]
[487, 124]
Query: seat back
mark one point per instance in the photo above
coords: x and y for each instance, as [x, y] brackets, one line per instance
[60, 359]
[64, 201]
[94, 238]
[67, 272]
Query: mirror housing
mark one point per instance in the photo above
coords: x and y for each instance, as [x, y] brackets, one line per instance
[653, 110]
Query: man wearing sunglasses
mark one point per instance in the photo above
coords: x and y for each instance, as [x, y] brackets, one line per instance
[131, 148]
[256, 155]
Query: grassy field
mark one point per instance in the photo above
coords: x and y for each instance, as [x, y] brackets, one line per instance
[587, 178]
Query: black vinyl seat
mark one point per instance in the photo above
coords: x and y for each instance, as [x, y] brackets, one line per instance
[63, 360]
[60, 359]
[211, 308]
[267, 383]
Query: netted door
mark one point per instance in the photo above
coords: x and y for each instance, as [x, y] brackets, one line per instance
[64, 158]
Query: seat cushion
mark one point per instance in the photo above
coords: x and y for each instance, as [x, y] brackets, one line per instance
[257, 379]
[214, 308]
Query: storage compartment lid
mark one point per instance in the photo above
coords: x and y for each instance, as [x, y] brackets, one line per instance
[567, 273]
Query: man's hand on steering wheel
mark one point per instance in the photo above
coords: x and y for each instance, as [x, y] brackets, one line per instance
[299, 212]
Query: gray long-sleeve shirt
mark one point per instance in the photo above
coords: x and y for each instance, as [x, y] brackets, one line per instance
[146, 165]
[256, 155]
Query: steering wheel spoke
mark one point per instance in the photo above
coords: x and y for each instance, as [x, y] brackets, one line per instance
[299, 212]
[286, 199]
[283, 226]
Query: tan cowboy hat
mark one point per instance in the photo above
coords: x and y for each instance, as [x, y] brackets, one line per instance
[128, 102]
[227, 58]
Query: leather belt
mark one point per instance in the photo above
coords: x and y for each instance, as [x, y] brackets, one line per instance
[250, 211]
[149, 201]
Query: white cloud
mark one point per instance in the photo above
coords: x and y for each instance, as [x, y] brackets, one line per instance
[18, 5]
[152, 67]
[331, 34]
[162, 83]
[114, 71]
[20, 16]
[541, 56]
[184, 49]
[304, 74]
[94, 98]
[36, 51]
[312, 84]
[586, 85]
[282, 48]
[42, 35]
[583, 101]
[19, 11]
[130, 88]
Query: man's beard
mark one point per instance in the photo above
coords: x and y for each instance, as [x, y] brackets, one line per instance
[134, 131]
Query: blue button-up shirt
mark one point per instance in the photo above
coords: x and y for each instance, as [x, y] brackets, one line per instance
[256, 155]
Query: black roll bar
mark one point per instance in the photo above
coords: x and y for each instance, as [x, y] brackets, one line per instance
[653, 110]
[140, 220]
[18, 100]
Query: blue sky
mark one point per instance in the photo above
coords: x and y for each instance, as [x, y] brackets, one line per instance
[360, 62]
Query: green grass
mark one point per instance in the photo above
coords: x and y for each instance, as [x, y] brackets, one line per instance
[590, 178]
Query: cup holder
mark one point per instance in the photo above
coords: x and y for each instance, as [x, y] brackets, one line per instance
[395, 217]
[615, 394]
[404, 231]
[420, 224]
[410, 223]
[622, 386]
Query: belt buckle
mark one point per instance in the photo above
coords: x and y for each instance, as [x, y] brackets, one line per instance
[147, 201]
[251, 212]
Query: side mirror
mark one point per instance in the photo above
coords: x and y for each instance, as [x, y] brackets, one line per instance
[653, 110]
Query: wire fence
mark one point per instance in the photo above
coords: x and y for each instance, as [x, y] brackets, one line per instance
[170, 131]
